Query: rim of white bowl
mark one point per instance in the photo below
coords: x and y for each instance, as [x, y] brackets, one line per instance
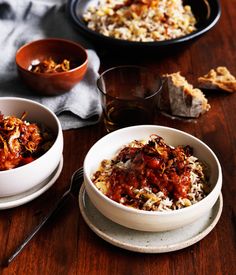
[59, 129]
[217, 187]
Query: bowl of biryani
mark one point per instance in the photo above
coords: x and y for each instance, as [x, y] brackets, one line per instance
[144, 23]
[152, 178]
[31, 145]
[51, 66]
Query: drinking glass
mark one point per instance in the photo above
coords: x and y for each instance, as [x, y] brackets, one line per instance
[128, 96]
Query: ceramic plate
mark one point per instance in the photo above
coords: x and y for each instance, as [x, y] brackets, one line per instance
[146, 242]
[207, 13]
[17, 200]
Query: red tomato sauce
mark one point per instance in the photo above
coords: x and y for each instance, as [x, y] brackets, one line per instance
[154, 165]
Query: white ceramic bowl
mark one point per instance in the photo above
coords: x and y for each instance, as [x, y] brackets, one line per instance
[23, 178]
[142, 220]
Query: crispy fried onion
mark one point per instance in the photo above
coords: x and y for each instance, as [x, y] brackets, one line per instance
[18, 141]
[50, 66]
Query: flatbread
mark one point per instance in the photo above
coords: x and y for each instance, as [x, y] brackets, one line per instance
[218, 79]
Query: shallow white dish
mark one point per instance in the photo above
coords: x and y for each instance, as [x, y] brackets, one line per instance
[17, 200]
[152, 221]
[148, 242]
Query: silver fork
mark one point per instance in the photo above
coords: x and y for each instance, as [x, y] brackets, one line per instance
[75, 184]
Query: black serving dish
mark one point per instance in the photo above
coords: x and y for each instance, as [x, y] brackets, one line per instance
[207, 13]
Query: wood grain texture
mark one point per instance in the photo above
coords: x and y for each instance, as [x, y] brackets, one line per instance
[67, 246]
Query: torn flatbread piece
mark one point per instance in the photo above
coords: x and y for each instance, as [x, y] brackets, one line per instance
[218, 79]
[179, 98]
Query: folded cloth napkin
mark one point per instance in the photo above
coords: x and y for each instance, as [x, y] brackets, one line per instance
[22, 21]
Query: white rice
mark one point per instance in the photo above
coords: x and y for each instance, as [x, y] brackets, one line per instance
[141, 20]
[199, 187]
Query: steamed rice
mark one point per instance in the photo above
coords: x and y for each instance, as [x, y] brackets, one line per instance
[147, 196]
[141, 20]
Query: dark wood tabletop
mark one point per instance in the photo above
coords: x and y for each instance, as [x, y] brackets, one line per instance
[66, 245]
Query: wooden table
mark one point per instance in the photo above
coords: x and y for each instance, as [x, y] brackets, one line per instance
[67, 246]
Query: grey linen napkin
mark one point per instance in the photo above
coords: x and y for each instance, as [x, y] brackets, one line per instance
[22, 21]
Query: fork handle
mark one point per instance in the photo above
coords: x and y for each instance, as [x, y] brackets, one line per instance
[55, 209]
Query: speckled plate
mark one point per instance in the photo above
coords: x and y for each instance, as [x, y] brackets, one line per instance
[148, 242]
[17, 200]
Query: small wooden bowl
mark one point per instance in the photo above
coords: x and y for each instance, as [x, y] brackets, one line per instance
[54, 83]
